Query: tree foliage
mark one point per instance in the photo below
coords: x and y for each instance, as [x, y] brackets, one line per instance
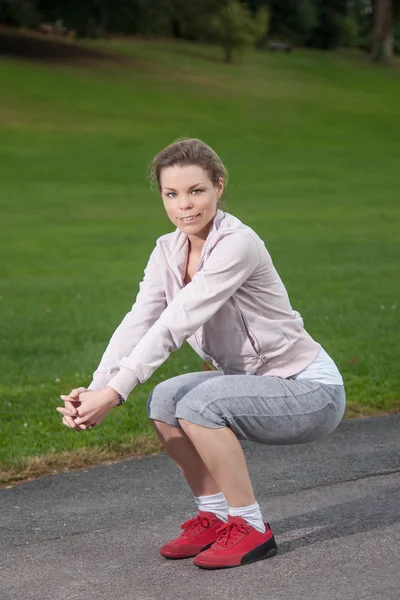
[235, 24]
[234, 27]
[19, 13]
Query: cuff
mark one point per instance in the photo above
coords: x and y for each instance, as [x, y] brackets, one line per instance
[124, 382]
[100, 381]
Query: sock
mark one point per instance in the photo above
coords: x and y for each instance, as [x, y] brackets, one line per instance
[216, 504]
[251, 514]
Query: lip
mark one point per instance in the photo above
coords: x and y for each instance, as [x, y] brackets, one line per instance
[189, 217]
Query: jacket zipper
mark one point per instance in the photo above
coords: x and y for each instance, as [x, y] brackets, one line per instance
[253, 341]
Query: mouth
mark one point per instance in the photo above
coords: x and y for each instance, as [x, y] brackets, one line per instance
[189, 219]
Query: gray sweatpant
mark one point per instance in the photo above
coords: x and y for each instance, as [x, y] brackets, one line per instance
[263, 409]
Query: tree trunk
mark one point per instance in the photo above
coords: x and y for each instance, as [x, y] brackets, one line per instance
[228, 53]
[382, 34]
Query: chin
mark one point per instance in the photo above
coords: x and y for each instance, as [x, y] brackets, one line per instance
[191, 230]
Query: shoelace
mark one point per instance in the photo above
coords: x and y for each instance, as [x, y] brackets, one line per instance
[194, 523]
[229, 532]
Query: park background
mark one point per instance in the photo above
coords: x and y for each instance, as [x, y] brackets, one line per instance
[311, 137]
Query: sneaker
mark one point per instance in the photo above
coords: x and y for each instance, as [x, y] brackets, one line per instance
[238, 543]
[198, 534]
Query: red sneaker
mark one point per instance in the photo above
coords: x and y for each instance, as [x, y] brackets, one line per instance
[199, 533]
[238, 543]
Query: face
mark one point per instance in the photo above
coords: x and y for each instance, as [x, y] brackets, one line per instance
[190, 198]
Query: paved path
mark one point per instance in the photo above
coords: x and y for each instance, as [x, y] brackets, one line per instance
[334, 507]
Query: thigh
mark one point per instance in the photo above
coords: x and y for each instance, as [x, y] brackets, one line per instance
[268, 410]
[164, 396]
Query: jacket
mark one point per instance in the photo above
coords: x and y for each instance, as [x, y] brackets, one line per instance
[234, 313]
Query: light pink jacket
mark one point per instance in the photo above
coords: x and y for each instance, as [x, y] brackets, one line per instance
[235, 312]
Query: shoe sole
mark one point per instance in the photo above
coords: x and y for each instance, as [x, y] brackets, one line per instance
[186, 555]
[272, 552]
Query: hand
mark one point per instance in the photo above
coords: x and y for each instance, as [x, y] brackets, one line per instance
[93, 408]
[70, 411]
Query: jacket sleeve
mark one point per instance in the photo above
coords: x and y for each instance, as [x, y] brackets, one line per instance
[233, 259]
[149, 305]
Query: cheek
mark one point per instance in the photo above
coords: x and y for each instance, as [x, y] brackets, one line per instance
[212, 204]
[208, 203]
[168, 209]
[171, 214]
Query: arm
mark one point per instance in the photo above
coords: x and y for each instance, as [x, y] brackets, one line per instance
[230, 263]
[149, 305]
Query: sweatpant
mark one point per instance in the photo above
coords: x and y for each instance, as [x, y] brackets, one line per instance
[263, 409]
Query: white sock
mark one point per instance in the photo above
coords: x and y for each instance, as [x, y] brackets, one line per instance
[251, 514]
[216, 504]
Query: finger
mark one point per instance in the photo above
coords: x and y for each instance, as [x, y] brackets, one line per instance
[73, 401]
[76, 391]
[80, 421]
[69, 411]
[84, 420]
[66, 398]
[71, 423]
[65, 422]
[72, 406]
[87, 426]
[66, 412]
[74, 394]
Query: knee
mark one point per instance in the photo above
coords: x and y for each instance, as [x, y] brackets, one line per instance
[165, 397]
[154, 402]
[160, 405]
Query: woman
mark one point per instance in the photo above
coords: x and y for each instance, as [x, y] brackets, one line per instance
[212, 282]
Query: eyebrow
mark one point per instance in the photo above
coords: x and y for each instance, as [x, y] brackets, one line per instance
[191, 187]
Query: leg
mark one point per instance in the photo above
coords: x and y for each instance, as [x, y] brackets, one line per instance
[265, 409]
[185, 455]
[161, 408]
[246, 537]
[223, 456]
[201, 531]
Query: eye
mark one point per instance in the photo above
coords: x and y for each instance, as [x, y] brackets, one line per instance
[195, 191]
[171, 194]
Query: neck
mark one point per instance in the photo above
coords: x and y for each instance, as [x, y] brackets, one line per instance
[196, 244]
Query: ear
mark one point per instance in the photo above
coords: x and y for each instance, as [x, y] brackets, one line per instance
[220, 187]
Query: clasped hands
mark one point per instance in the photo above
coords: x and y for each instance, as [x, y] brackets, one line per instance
[84, 408]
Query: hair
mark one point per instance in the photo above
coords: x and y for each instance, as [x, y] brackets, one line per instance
[185, 152]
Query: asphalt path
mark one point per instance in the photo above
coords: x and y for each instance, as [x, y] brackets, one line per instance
[334, 507]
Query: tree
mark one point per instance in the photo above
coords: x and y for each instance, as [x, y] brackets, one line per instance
[383, 30]
[292, 20]
[234, 27]
[330, 15]
[19, 13]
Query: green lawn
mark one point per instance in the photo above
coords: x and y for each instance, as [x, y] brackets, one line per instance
[312, 143]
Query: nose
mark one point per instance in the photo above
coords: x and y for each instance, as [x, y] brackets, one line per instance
[185, 202]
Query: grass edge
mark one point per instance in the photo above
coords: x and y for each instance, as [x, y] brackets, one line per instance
[35, 467]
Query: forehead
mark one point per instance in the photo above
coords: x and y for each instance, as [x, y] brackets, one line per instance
[183, 176]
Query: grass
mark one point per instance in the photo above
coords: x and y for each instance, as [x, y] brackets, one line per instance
[312, 144]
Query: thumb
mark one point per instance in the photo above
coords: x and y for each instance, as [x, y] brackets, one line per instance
[75, 392]
[73, 396]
